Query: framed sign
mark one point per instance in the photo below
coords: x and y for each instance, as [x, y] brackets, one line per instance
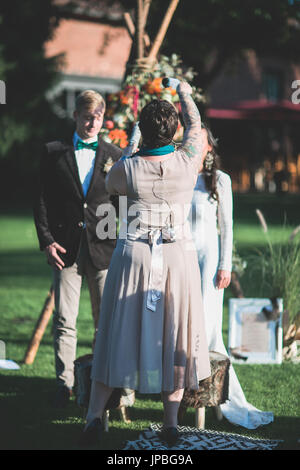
[255, 331]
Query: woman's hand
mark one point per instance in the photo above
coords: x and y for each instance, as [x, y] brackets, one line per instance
[223, 279]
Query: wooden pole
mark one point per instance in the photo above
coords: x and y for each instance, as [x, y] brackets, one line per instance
[162, 30]
[129, 24]
[140, 30]
[146, 7]
[219, 414]
[200, 418]
[131, 29]
[40, 328]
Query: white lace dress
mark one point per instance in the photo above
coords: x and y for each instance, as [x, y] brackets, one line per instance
[212, 233]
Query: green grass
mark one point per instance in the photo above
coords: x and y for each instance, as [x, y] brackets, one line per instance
[26, 419]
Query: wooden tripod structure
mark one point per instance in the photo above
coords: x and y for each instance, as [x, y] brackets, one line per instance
[143, 52]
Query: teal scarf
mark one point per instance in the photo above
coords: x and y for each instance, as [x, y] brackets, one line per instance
[158, 151]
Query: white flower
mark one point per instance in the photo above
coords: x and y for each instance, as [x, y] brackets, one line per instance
[108, 164]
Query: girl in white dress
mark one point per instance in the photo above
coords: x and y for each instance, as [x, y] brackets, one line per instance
[211, 219]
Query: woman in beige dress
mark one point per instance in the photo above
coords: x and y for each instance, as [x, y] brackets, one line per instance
[151, 337]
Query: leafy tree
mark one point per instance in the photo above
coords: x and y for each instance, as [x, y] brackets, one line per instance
[26, 119]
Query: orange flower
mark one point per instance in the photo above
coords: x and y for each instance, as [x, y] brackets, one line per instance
[109, 124]
[118, 137]
[124, 98]
[123, 143]
[154, 86]
[172, 91]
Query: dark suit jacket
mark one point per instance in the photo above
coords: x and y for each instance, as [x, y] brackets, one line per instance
[61, 212]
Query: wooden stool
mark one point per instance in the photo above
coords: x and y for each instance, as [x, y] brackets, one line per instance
[121, 398]
[212, 391]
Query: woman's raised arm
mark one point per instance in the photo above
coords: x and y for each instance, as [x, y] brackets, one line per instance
[192, 139]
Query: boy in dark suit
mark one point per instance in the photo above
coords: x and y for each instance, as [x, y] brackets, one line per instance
[72, 187]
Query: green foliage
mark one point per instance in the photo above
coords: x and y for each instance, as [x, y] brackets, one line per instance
[26, 119]
[276, 268]
[238, 263]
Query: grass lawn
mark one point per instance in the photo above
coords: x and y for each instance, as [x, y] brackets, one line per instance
[26, 419]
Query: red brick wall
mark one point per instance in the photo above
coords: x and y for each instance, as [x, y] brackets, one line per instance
[91, 49]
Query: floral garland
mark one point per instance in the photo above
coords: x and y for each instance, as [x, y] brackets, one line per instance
[139, 88]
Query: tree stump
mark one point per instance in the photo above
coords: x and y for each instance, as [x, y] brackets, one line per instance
[213, 391]
[120, 399]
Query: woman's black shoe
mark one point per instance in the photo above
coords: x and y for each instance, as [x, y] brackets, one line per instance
[170, 436]
[91, 437]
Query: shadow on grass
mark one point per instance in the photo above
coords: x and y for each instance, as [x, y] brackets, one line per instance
[28, 420]
[24, 265]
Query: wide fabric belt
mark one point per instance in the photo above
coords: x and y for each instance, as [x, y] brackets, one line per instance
[156, 238]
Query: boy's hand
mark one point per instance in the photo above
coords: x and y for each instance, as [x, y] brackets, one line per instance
[52, 255]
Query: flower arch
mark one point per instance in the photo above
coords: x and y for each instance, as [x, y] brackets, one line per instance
[139, 88]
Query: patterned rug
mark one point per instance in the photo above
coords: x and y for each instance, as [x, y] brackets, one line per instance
[195, 439]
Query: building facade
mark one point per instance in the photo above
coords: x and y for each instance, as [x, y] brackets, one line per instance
[95, 47]
[254, 110]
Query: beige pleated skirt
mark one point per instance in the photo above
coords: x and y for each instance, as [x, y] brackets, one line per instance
[150, 351]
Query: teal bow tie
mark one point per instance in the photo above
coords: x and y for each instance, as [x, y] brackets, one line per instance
[83, 145]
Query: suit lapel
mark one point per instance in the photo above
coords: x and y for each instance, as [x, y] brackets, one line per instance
[72, 165]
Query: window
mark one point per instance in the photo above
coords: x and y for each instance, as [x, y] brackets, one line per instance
[272, 84]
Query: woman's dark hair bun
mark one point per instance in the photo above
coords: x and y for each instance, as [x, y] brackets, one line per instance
[158, 123]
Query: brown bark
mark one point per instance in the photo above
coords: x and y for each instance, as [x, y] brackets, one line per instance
[120, 397]
[214, 390]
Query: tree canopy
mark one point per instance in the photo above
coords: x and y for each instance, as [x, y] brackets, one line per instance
[26, 119]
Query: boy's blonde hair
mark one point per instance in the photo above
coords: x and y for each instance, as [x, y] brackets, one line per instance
[88, 99]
